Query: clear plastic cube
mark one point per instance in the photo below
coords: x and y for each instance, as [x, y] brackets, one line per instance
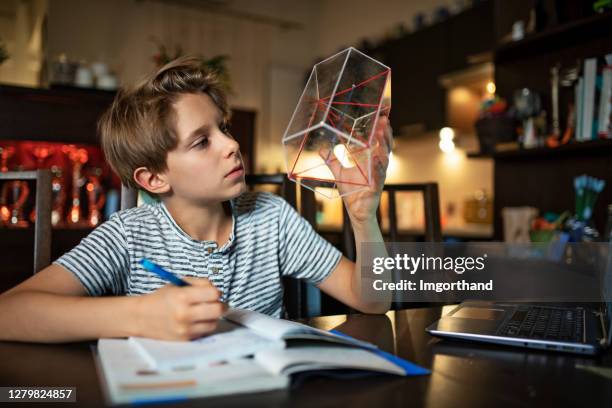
[334, 121]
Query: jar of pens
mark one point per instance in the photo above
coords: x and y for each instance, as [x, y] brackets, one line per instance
[580, 227]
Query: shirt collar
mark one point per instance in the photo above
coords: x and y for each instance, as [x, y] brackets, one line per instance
[205, 244]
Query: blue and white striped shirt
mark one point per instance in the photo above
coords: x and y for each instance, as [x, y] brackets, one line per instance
[269, 240]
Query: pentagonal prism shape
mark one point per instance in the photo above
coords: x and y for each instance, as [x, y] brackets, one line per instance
[329, 139]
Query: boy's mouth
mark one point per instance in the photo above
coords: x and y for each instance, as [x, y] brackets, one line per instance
[237, 171]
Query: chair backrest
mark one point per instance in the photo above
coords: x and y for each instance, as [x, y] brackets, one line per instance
[42, 226]
[433, 231]
[431, 204]
[301, 299]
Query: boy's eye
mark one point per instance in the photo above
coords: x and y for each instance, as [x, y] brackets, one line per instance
[203, 142]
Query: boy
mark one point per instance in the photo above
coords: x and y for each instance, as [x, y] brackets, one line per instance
[169, 136]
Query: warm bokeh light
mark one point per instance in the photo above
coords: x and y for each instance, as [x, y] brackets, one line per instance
[447, 133]
[343, 156]
[447, 145]
[491, 87]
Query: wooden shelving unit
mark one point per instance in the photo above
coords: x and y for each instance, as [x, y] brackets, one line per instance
[543, 177]
[563, 36]
[594, 147]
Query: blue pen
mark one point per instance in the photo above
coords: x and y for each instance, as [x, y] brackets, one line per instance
[162, 273]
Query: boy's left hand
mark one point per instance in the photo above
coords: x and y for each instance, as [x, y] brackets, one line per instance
[361, 206]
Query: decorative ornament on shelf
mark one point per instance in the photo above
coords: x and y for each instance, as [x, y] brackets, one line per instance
[216, 64]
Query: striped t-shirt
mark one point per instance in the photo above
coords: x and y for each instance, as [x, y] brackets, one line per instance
[269, 240]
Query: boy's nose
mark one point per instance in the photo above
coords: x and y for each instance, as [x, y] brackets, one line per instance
[232, 146]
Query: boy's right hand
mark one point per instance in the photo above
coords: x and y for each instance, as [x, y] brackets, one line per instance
[181, 313]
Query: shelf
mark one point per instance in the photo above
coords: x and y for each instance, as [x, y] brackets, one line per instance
[577, 32]
[477, 155]
[591, 148]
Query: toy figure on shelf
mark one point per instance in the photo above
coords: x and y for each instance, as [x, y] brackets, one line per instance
[527, 104]
[6, 152]
[41, 154]
[12, 216]
[11, 210]
[95, 197]
[78, 157]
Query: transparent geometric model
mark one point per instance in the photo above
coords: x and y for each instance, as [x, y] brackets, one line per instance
[333, 124]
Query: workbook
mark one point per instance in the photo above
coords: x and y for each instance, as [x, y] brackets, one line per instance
[249, 352]
[240, 333]
[128, 379]
[228, 342]
[280, 329]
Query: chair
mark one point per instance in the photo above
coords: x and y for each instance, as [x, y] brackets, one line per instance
[42, 226]
[301, 299]
[433, 231]
[431, 203]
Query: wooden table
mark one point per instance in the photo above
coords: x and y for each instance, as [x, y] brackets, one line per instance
[463, 374]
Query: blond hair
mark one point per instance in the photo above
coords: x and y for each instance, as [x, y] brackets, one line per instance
[138, 130]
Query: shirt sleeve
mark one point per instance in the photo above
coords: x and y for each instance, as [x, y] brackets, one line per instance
[304, 254]
[100, 261]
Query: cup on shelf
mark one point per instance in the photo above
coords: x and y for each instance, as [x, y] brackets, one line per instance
[84, 77]
[99, 69]
[107, 82]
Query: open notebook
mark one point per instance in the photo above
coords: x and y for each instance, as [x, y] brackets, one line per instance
[241, 333]
[128, 379]
[249, 352]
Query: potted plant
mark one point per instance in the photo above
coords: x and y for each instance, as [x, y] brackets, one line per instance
[216, 64]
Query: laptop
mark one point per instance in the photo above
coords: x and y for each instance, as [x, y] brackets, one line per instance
[577, 329]
[583, 330]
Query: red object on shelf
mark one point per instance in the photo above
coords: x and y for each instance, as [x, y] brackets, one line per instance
[31, 155]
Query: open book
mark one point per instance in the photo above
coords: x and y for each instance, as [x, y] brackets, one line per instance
[280, 329]
[241, 333]
[127, 378]
[229, 341]
[249, 352]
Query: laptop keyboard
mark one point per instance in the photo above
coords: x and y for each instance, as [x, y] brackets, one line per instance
[545, 323]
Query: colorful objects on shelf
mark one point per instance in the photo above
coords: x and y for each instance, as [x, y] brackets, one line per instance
[95, 197]
[78, 157]
[87, 181]
[587, 190]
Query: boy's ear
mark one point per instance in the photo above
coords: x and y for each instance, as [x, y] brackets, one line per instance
[155, 183]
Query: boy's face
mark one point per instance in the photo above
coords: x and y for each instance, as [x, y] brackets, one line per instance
[206, 166]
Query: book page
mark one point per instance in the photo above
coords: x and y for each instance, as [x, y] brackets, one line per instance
[227, 345]
[272, 327]
[265, 325]
[294, 360]
[126, 378]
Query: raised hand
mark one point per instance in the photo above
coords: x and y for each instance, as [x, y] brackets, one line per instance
[361, 205]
